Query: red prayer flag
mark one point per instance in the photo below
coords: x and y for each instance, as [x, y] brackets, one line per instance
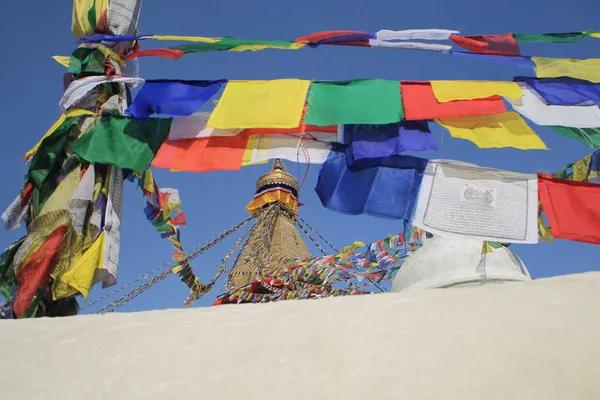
[420, 103]
[572, 207]
[490, 44]
[179, 219]
[171, 54]
[340, 38]
[202, 154]
[36, 271]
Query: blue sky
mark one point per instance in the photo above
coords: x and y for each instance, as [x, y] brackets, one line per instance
[215, 201]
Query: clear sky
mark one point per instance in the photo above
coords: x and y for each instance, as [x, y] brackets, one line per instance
[214, 201]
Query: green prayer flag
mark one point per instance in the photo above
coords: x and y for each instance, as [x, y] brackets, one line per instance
[228, 43]
[123, 142]
[364, 101]
[588, 136]
[85, 60]
[568, 37]
[47, 161]
[7, 271]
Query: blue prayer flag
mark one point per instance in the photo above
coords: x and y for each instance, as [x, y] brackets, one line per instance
[384, 190]
[172, 97]
[564, 91]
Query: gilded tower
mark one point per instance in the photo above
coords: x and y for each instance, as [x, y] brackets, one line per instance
[275, 234]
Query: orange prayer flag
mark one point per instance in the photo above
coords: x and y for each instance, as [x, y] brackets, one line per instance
[202, 154]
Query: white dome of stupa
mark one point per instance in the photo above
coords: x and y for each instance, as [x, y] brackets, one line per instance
[447, 262]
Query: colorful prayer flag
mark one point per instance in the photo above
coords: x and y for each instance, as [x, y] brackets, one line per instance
[494, 131]
[420, 104]
[587, 69]
[588, 136]
[446, 91]
[172, 97]
[489, 44]
[563, 91]
[260, 104]
[573, 208]
[365, 101]
[380, 191]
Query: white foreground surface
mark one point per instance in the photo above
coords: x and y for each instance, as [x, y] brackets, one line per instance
[532, 340]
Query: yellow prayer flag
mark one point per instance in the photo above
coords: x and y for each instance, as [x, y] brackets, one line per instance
[486, 248]
[588, 69]
[445, 91]
[81, 275]
[581, 168]
[498, 130]
[260, 104]
[62, 60]
[595, 34]
[61, 119]
[81, 25]
[256, 47]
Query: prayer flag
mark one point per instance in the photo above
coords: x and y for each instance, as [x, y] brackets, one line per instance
[563, 91]
[573, 208]
[489, 44]
[374, 141]
[588, 136]
[310, 148]
[567, 37]
[532, 107]
[339, 38]
[87, 15]
[364, 101]
[466, 201]
[380, 191]
[498, 130]
[445, 91]
[512, 61]
[204, 154]
[587, 69]
[123, 142]
[420, 104]
[172, 97]
[260, 104]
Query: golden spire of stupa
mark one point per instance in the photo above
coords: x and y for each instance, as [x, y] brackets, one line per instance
[276, 235]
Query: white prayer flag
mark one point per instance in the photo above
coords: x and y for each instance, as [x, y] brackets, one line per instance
[466, 201]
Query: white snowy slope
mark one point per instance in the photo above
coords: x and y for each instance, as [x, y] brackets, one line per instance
[529, 340]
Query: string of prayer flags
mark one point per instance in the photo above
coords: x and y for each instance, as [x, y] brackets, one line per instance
[375, 141]
[380, 191]
[7, 271]
[420, 103]
[123, 142]
[172, 97]
[587, 69]
[363, 101]
[260, 104]
[532, 107]
[489, 44]
[572, 207]
[563, 91]
[466, 201]
[498, 130]
[160, 205]
[446, 91]
[588, 136]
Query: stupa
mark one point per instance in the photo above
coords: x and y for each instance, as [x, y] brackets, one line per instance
[445, 262]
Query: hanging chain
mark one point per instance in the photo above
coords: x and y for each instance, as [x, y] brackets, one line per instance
[135, 292]
[317, 245]
[318, 234]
